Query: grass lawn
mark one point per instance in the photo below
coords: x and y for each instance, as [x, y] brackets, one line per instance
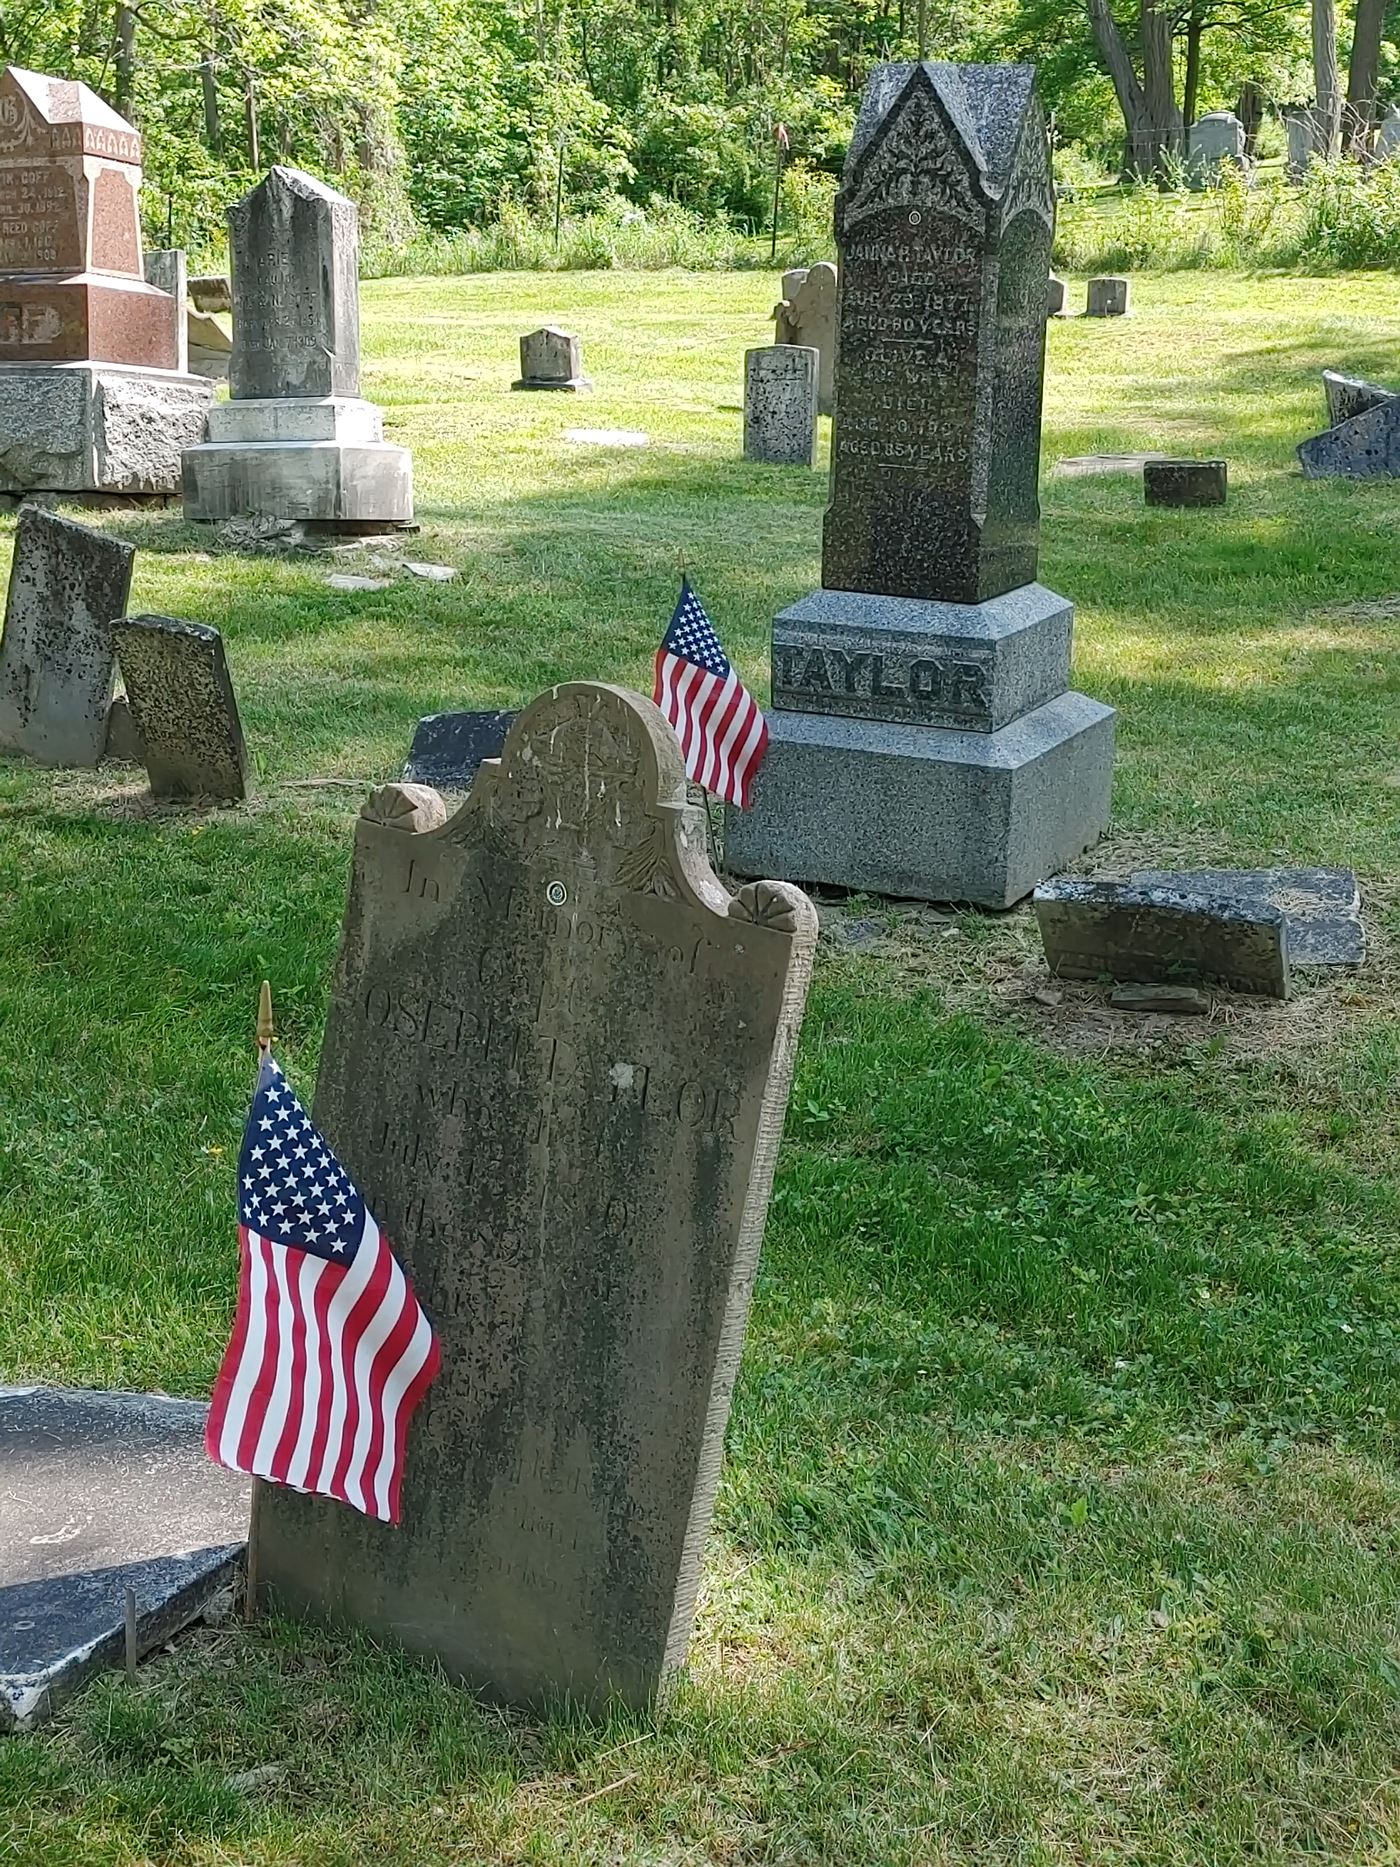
[1061, 1520]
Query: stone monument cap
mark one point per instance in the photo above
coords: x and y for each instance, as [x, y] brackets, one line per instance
[43, 116]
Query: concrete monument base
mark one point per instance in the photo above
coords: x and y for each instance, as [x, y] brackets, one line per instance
[925, 812]
[320, 459]
[97, 427]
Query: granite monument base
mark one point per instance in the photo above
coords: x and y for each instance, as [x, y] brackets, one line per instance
[97, 428]
[923, 812]
[320, 459]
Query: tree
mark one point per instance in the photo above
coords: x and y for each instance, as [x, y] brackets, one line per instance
[1327, 80]
[1364, 74]
[1153, 121]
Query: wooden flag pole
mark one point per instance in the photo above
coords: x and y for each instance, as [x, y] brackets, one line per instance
[250, 1569]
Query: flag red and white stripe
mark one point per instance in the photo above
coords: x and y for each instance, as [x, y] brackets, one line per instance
[720, 725]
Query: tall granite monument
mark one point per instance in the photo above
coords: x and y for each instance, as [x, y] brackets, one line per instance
[92, 395]
[295, 440]
[923, 739]
[557, 1065]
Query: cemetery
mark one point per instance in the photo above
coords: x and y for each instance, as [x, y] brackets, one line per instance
[833, 1292]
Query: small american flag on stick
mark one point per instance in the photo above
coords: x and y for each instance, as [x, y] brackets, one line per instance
[330, 1352]
[720, 725]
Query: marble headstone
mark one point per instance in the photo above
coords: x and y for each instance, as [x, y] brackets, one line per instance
[294, 247]
[68, 585]
[168, 271]
[1216, 138]
[1298, 127]
[780, 405]
[556, 1064]
[551, 359]
[182, 705]
[1109, 297]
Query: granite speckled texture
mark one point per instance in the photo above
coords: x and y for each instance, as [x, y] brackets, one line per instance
[183, 708]
[448, 748]
[1365, 447]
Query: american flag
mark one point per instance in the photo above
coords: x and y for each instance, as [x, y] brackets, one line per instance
[720, 725]
[330, 1353]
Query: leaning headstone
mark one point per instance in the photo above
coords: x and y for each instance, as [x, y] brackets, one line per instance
[780, 405]
[1298, 126]
[93, 394]
[295, 440]
[103, 1492]
[1321, 907]
[1367, 447]
[68, 585]
[1108, 298]
[448, 748]
[1185, 482]
[923, 740]
[807, 316]
[1351, 395]
[1144, 934]
[210, 346]
[182, 705]
[211, 292]
[167, 271]
[557, 1063]
[1215, 140]
[551, 359]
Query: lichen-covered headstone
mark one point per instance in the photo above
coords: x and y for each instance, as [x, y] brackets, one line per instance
[68, 585]
[557, 1064]
[183, 708]
[780, 405]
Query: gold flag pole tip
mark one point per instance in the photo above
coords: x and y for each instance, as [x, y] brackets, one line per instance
[265, 1017]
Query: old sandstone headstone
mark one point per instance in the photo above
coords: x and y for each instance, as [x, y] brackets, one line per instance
[295, 440]
[807, 315]
[923, 741]
[557, 1064]
[68, 586]
[780, 405]
[182, 705]
[551, 359]
[93, 393]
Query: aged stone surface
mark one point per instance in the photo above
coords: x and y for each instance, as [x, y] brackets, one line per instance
[123, 746]
[1364, 448]
[1181, 1000]
[103, 1492]
[448, 748]
[211, 292]
[1055, 299]
[182, 705]
[557, 1063]
[970, 665]
[167, 270]
[335, 484]
[780, 405]
[1108, 298]
[294, 245]
[1388, 135]
[209, 345]
[1351, 395]
[68, 585]
[1322, 907]
[944, 224]
[1148, 935]
[1185, 482]
[92, 427]
[923, 812]
[807, 315]
[551, 359]
[1215, 138]
[1298, 127]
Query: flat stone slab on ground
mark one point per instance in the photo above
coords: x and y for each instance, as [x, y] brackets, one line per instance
[1085, 466]
[1141, 934]
[101, 1492]
[1182, 1001]
[1322, 907]
[1185, 482]
[448, 748]
[607, 437]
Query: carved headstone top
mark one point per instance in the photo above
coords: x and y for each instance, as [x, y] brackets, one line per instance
[944, 224]
[557, 1064]
[294, 245]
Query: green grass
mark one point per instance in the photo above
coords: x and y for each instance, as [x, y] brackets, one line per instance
[1061, 1520]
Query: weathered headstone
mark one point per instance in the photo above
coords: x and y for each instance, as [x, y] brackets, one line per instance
[923, 741]
[295, 440]
[807, 316]
[1185, 482]
[167, 270]
[183, 708]
[210, 346]
[1215, 139]
[551, 359]
[68, 585]
[93, 395]
[1321, 907]
[211, 292]
[448, 748]
[557, 1064]
[1365, 447]
[780, 405]
[1145, 934]
[1055, 298]
[1351, 395]
[1388, 134]
[1298, 127]
[1108, 298]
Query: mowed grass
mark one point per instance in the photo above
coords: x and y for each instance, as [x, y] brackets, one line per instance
[1061, 1520]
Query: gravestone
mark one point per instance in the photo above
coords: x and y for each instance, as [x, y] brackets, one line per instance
[1299, 129]
[807, 316]
[93, 394]
[448, 748]
[183, 709]
[1185, 482]
[922, 740]
[1364, 447]
[1055, 298]
[556, 1064]
[780, 405]
[295, 440]
[1321, 908]
[1215, 139]
[1351, 395]
[211, 292]
[167, 271]
[551, 359]
[68, 585]
[1144, 933]
[1108, 298]
[1388, 134]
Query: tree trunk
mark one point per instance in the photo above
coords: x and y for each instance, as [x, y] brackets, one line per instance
[1364, 74]
[1327, 81]
[250, 118]
[1158, 77]
[1191, 84]
[209, 85]
[1250, 111]
[126, 61]
[1140, 157]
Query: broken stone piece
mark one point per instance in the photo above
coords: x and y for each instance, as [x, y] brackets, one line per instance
[1184, 1000]
[1144, 935]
